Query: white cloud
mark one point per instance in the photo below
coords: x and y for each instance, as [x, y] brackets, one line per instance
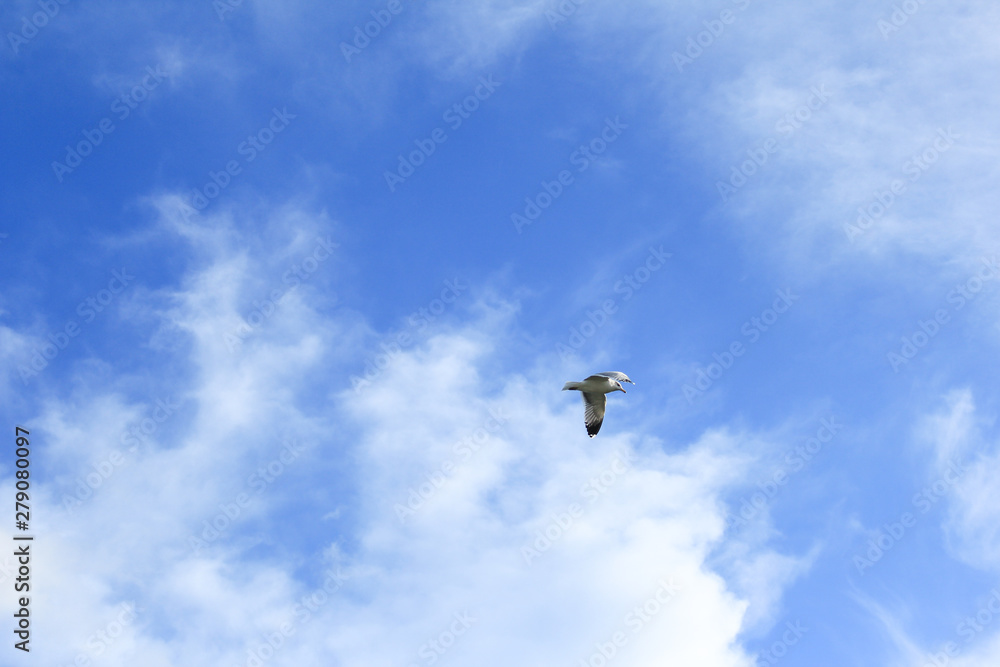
[888, 101]
[548, 539]
[973, 524]
[459, 37]
[16, 349]
[970, 532]
[626, 517]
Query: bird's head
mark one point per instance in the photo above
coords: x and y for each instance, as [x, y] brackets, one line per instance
[620, 388]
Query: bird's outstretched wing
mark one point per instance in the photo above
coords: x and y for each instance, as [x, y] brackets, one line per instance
[593, 411]
[614, 375]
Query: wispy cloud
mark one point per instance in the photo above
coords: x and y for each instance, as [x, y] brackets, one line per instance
[460, 553]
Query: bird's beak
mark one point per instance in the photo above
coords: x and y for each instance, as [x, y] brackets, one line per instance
[623, 391]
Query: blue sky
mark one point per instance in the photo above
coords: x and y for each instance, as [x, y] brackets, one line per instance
[287, 313]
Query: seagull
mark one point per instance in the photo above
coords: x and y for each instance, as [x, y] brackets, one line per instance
[594, 389]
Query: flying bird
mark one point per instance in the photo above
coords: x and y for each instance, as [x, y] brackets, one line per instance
[594, 390]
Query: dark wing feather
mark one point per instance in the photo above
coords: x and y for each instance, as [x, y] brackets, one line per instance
[593, 412]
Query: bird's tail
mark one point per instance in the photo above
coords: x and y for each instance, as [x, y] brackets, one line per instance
[571, 385]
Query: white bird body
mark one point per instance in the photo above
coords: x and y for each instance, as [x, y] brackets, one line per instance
[595, 389]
